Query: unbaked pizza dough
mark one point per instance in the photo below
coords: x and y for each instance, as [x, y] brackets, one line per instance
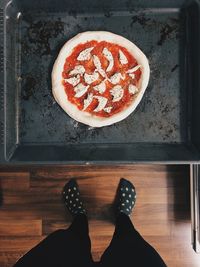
[99, 78]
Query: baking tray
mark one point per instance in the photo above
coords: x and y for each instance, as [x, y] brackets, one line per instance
[165, 126]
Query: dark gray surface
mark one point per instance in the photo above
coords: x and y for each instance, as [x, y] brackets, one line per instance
[34, 39]
[160, 117]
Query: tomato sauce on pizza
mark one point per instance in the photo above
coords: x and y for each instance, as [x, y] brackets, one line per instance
[101, 78]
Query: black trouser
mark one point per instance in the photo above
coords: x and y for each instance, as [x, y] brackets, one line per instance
[72, 248]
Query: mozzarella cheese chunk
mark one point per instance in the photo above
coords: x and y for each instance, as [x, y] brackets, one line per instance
[107, 109]
[114, 79]
[73, 80]
[132, 89]
[122, 58]
[79, 69]
[132, 75]
[117, 92]
[101, 88]
[85, 54]
[98, 66]
[90, 78]
[88, 101]
[102, 103]
[133, 69]
[80, 90]
[110, 59]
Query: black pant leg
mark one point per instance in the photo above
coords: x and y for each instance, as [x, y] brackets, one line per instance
[62, 248]
[128, 248]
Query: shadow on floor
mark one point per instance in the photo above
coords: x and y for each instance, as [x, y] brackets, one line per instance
[181, 186]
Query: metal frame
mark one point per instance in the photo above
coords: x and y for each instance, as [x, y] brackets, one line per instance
[195, 205]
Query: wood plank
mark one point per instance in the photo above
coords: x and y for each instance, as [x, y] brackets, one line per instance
[18, 244]
[37, 212]
[20, 227]
[141, 181]
[113, 174]
[102, 196]
[14, 181]
[8, 259]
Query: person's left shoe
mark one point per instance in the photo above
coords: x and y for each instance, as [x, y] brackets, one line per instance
[125, 197]
[72, 199]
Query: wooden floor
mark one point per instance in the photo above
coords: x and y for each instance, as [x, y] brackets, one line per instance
[31, 208]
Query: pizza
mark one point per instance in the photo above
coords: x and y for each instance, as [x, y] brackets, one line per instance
[99, 78]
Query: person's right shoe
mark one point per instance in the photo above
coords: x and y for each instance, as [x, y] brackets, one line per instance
[72, 199]
[125, 197]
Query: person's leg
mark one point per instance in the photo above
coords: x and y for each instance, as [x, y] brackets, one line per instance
[70, 247]
[127, 245]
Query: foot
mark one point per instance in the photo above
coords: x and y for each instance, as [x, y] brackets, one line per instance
[72, 199]
[125, 198]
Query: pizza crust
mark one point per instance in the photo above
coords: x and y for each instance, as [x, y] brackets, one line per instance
[58, 89]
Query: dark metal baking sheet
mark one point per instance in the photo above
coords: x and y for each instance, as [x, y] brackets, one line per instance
[36, 129]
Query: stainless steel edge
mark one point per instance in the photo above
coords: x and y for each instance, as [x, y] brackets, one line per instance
[1, 80]
[195, 199]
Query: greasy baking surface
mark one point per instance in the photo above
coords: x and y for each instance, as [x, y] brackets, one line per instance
[161, 115]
